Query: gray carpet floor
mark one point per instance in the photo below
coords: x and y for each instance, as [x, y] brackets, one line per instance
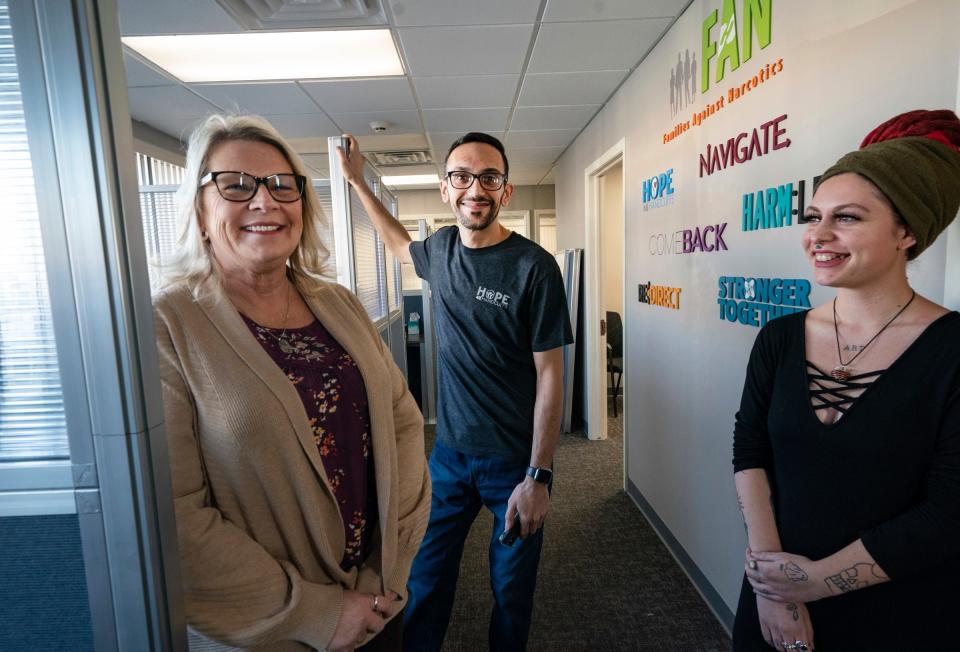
[606, 581]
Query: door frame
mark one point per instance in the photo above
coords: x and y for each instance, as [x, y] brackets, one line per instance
[595, 368]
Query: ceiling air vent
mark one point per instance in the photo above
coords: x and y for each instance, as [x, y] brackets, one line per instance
[400, 158]
[304, 14]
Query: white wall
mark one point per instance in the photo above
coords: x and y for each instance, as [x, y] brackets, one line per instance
[846, 67]
[611, 233]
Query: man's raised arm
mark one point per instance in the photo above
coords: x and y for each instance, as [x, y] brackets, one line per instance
[393, 234]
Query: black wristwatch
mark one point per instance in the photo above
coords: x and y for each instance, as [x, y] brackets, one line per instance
[543, 476]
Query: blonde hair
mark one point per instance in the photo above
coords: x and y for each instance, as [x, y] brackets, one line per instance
[192, 262]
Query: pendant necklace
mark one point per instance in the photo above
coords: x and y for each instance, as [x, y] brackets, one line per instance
[281, 340]
[841, 372]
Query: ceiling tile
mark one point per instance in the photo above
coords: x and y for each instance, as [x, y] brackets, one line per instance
[167, 102]
[368, 143]
[142, 74]
[472, 91]
[578, 10]
[562, 88]
[392, 142]
[542, 138]
[498, 50]
[148, 17]
[607, 45]
[284, 98]
[308, 125]
[465, 120]
[541, 155]
[552, 117]
[178, 128]
[361, 95]
[408, 13]
[359, 123]
[442, 141]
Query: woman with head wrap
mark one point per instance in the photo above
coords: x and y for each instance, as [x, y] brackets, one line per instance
[296, 450]
[847, 441]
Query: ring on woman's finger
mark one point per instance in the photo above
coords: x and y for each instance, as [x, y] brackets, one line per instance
[752, 564]
[788, 646]
[801, 645]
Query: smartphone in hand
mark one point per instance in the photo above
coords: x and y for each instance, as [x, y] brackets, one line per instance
[507, 538]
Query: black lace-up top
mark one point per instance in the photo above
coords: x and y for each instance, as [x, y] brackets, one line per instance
[828, 392]
[887, 473]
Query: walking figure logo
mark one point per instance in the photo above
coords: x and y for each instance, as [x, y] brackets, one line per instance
[683, 87]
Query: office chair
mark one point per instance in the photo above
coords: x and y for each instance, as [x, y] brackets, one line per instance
[615, 354]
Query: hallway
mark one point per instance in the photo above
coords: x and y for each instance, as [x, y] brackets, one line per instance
[606, 581]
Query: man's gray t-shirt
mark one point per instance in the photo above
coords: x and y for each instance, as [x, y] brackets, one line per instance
[493, 308]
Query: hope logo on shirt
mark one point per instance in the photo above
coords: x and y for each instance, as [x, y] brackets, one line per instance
[492, 296]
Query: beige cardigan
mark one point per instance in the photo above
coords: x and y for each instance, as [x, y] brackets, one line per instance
[260, 534]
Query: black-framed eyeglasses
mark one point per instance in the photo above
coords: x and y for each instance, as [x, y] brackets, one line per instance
[241, 186]
[461, 179]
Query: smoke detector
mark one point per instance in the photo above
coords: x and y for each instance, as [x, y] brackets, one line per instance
[379, 126]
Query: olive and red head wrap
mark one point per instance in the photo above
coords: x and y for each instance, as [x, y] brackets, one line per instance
[914, 159]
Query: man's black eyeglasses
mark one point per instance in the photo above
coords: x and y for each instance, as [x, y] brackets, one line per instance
[240, 186]
[461, 179]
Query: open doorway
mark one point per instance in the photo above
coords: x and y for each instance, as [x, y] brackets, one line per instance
[611, 302]
[603, 291]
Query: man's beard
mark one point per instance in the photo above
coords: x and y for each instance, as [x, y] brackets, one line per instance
[464, 217]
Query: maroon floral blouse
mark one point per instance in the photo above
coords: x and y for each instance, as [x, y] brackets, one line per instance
[335, 398]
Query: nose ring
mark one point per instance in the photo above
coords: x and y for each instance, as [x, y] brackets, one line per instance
[818, 246]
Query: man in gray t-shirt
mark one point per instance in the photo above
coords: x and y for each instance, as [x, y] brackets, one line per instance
[501, 322]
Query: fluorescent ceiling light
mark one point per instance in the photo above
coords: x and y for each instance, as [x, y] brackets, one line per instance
[411, 180]
[259, 56]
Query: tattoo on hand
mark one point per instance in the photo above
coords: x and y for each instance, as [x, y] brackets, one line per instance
[794, 612]
[858, 576]
[793, 572]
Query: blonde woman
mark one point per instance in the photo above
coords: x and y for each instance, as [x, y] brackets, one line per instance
[297, 456]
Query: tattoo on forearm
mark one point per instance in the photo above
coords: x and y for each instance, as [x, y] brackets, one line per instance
[793, 572]
[858, 576]
[743, 514]
[794, 612]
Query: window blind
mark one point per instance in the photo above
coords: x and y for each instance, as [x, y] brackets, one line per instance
[325, 226]
[368, 260]
[408, 275]
[393, 283]
[158, 186]
[32, 421]
[548, 234]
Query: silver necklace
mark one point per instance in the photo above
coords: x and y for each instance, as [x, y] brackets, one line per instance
[841, 372]
[281, 339]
